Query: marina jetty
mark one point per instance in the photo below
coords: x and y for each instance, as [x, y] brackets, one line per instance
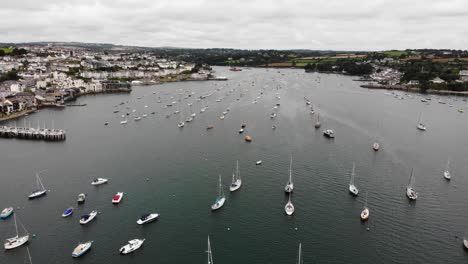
[33, 133]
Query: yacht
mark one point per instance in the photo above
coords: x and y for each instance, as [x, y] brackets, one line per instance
[81, 249]
[40, 190]
[365, 211]
[236, 180]
[352, 188]
[220, 199]
[123, 122]
[410, 192]
[259, 162]
[181, 124]
[88, 218]
[16, 241]
[132, 245]
[138, 118]
[6, 213]
[147, 218]
[117, 198]
[289, 185]
[376, 146]
[329, 133]
[420, 125]
[99, 181]
[289, 207]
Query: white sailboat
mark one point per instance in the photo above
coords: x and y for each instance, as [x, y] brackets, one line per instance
[352, 188]
[447, 174]
[289, 207]
[210, 255]
[40, 190]
[410, 192]
[220, 199]
[236, 180]
[16, 241]
[365, 212]
[299, 255]
[420, 125]
[289, 185]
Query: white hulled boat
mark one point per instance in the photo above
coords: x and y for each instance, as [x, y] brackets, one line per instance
[421, 125]
[410, 192]
[99, 181]
[40, 190]
[147, 218]
[236, 180]
[117, 197]
[352, 188]
[365, 211]
[289, 185]
[16, 241]
[131, 246]
[88, 218]
[220, 199]
[447, 174]
[289, 207]
[81, 249]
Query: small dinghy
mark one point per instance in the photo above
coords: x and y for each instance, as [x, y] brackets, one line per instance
[88, 218]
[99, 181]
[132, 245]
[68, 212]
[147, 218]
[6, 213]
[259, 162]
[117, 198]
[81, 198]
[81, 249]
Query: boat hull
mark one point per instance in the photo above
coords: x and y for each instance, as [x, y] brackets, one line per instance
[7, 212]
[81, 249]
[15, 242]
[219, 203]
[365, 214]
[153, 217]
[36, 195]
[67, 213]
[235, 186]
[353, 190]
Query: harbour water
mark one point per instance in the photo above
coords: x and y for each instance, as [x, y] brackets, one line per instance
[174, 172]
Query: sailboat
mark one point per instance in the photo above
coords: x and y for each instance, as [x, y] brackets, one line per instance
[299, 255]
[220, 199]
[365, 212]
[410, 192]
[193, 114]
[317, 121]
[420, 125]
[16, 241]
[236, 180]
[289, 185]
[289, 207]
[40, 190]
[447, 174]
[352, 188]
[210, 255]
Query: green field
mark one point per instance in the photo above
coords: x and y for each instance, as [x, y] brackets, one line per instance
[395, 53]
[6, 50]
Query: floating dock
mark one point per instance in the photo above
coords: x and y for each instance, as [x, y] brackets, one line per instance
[33, 133]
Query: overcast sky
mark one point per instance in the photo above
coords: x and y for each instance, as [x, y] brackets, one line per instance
[251, 24]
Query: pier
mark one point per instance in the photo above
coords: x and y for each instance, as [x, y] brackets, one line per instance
[33, 133]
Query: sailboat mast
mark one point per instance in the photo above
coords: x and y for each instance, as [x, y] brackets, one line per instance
[29, 255]
[290, 169]
[299, 257]
[411, 178]
[237, 170]
[16, 225]
[210, 256]
[352, 174]
[220, 191]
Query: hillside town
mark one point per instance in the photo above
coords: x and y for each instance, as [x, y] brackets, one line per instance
[32, 76]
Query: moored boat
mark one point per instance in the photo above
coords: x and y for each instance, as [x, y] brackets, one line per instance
[329, 133]
[99, 181]
[88, 218]
[81, 249]
[236, 180]
[131, 246]
[147, 218]
[6, 213]
[376, 146]
[117, 198]
[16, 241]
[410, 192]
[81, 198]
[68, 212]
[40, 191]
[352, 188]
[289, 185]
[220, 199]
[289, 207]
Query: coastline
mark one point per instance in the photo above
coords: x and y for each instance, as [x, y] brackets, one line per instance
[413, 89]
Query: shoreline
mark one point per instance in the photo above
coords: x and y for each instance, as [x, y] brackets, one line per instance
[413, 89]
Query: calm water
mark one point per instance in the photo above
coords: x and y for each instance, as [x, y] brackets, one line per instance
[173, 171]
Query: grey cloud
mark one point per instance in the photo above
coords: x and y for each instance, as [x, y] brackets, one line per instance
[313, 24]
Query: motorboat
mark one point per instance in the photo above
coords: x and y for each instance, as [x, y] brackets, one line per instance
[241, 131]
[132, 245]
[7, 212]
[181, 124]
[88, 218]
[16, 241]
[289, 207]
[123, 122]
[329, 133]
[68, 212]
[447, 174]
[147, 218]
[145, 115]
[117, 197]
[81, 249]
[289, 185]
[272, 115]
[138, 118]
[376, 146]
[352, 188]
[410, 192]
[220, 199]
[365, 214]
[99, 181]
[40, 191]
[259, 162]
[81, 198]
[421, 125]
[236, 180]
